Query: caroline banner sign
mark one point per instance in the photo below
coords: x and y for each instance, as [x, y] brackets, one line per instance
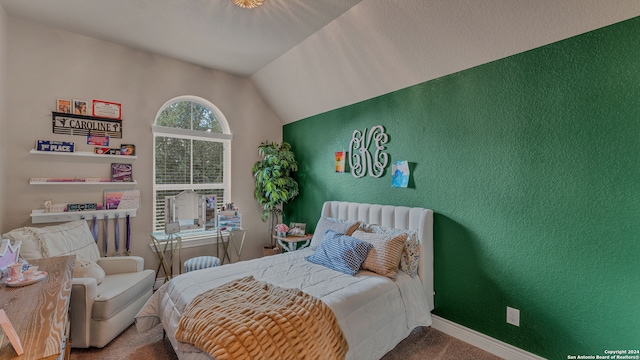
[71, 124]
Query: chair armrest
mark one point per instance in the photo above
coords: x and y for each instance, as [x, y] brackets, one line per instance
[83, 293]
[121, 264]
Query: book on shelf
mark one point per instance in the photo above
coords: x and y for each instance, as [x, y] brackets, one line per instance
[55, 208]
[84, 207]
[76, 179]
[121, 199]
[121, 172]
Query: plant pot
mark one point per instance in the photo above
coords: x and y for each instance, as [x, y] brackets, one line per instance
[268, 251]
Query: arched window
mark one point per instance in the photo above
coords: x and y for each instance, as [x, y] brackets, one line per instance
[192, 151]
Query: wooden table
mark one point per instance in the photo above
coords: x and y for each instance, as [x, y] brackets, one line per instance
[40, 312]
[292, 243]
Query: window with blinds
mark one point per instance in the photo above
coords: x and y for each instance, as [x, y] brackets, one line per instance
[192, 145]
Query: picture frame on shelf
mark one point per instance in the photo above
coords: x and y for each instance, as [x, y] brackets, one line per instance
[106, 109]
[63, 106]
[121, 172]
[121, 199]
[79, 107]
[297, 229]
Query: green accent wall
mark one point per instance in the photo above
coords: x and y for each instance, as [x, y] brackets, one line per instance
[531, 164]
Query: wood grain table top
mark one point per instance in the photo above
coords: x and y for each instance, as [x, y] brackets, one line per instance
[39, 312]
[292, 238]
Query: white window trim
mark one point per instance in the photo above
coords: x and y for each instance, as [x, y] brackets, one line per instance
[224, 123]
[189, 134]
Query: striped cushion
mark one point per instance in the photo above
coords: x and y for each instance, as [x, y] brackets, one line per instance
[201, 262]
[384, 257]
[340, 252]
[411, 253]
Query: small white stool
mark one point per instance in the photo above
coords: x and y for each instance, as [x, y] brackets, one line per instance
[201, 262]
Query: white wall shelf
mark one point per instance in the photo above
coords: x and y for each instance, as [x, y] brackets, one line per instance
[103, 183]
[85, 154]
[39, 216]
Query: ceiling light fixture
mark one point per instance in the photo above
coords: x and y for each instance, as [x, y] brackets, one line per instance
[248, 4]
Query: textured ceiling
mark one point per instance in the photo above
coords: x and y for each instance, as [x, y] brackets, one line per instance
[211, 33]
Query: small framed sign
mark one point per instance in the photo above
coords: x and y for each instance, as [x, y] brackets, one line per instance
[101, 140]
[107, 109]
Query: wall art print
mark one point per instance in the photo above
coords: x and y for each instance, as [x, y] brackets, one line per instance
[400, 176]
[340, 161]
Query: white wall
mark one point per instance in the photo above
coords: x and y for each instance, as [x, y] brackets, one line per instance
[45, 64]
[3, 109]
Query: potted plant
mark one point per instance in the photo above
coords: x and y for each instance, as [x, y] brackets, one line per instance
[274, 183]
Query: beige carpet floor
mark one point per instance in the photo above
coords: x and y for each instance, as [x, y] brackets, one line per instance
[424, 343]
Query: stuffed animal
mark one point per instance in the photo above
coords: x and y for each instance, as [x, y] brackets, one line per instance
[88, 269]
[47, 205]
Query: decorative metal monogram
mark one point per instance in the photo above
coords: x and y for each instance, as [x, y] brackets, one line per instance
[363, 161]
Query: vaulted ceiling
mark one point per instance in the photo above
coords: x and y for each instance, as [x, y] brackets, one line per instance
[309, 57]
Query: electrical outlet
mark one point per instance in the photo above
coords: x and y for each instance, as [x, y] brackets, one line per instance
[513, 316]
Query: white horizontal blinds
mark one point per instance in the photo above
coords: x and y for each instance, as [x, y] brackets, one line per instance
[173, 160]
[190, 138]
[208, 162]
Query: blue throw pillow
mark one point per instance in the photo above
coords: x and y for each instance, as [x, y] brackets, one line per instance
[340, 252]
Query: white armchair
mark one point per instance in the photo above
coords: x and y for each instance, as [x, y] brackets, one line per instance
[102, 305]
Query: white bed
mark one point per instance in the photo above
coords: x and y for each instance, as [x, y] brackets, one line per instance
[374, 312]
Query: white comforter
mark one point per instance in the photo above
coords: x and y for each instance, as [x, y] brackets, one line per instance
[374, 312]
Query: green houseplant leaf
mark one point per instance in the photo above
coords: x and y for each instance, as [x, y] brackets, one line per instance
[274, 182]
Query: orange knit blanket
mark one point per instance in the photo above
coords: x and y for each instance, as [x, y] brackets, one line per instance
[250, 319]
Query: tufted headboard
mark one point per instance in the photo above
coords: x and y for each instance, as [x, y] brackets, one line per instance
[401, 217]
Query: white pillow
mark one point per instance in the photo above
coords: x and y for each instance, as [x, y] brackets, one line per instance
[30, 248]
[65, 239]
[339, 226]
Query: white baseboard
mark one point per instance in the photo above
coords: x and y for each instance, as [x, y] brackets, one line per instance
[482, 341]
